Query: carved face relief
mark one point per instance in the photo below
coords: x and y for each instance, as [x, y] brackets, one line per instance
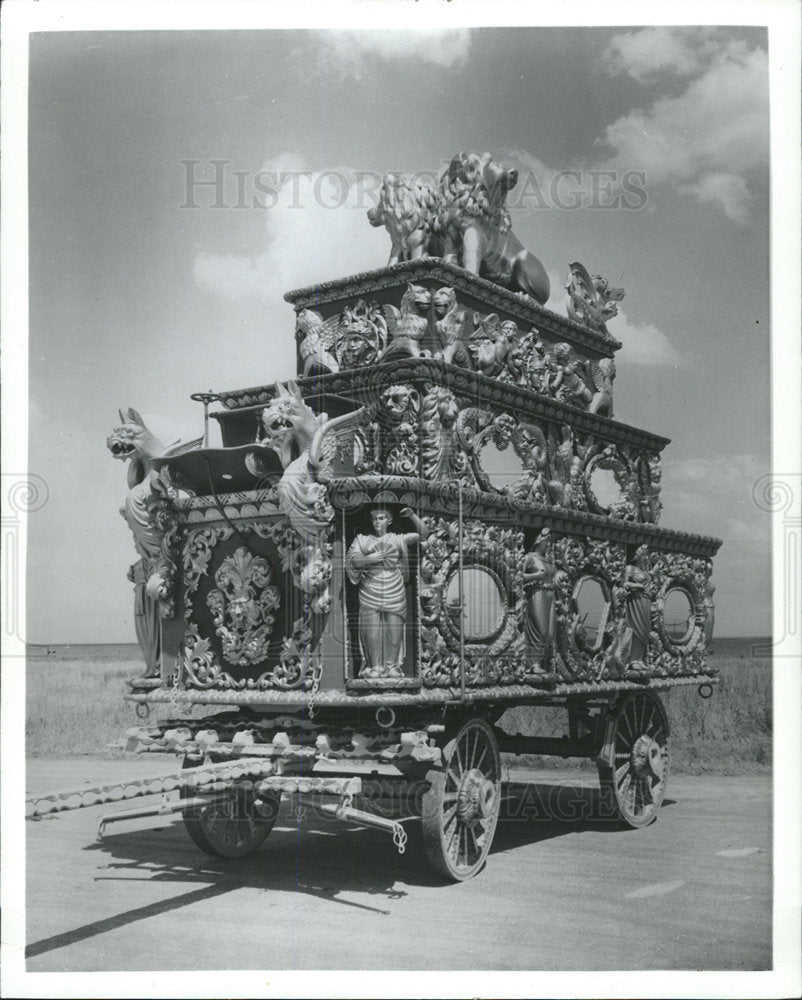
[242, 606]
[397, 400]
[444, 299]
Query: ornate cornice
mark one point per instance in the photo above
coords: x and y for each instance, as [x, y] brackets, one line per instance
[365, 384]
[516, 304]
[517, 693]
[350, 493]
[235, 506]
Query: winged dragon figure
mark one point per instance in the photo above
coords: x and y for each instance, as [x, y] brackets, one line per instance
[147, 512]
[307, 444]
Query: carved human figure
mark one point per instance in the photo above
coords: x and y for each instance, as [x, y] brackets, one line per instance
[146, 619]
[379, 565]
[709, 605]
[569, 382]
[637, 581]
[602, 402]
[538, 574]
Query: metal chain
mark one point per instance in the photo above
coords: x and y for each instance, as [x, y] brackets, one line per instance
[400, 837]
[317, 674]
[174, 691]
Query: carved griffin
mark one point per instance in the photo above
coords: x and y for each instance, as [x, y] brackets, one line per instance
[306, 444]
[591, 300]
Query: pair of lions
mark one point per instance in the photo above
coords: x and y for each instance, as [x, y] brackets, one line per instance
[465, 220]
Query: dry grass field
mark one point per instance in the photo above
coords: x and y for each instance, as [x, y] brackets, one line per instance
[75, 707]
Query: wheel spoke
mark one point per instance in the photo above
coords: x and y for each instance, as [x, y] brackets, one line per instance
[621, 771]
[472, 836]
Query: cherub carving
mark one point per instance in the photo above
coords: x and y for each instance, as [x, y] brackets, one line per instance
[306, 444]
[489, 345]
[570, 381]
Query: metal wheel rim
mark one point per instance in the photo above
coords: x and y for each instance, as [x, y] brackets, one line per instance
[640, 759]
[232, 828]
[461, 809]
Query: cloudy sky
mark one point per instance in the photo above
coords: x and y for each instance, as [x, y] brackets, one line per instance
[146, 287]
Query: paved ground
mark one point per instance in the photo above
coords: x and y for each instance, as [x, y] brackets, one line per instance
[693, 891]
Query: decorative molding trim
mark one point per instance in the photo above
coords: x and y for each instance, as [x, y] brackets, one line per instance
[352, 492]
[367, 384]
[520, 306]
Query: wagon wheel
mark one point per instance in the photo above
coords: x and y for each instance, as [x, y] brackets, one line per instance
[233, 828]
[636, 772]
[461, 807]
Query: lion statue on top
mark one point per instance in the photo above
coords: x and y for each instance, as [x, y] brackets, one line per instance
[407, 208]
[465, 220]
[475, 225]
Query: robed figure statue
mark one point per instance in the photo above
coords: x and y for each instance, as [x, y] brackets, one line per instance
[379, 565]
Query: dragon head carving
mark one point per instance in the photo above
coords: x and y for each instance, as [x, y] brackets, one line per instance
[289, 424]
[133, 439]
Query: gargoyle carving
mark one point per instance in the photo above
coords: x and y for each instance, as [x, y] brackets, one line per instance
[590, 300]
[148, 513]
[291, 428]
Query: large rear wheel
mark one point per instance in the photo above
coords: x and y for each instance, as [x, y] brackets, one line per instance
[231, 826]
[634, 772]
[461, 806]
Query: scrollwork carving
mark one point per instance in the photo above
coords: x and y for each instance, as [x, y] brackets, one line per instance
[399, 413]
[241, 607]
[498, 551]
[442, 454]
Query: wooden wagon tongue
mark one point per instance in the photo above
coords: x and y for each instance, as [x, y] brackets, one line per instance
[437, 520]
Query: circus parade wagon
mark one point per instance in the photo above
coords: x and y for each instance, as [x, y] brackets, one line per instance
[439, 518]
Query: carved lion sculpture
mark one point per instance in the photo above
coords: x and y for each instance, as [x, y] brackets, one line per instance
[475, 223]
[407, 208]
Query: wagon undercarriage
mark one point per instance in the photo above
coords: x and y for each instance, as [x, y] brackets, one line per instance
[442, 771]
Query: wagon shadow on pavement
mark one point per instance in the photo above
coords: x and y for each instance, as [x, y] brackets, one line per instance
[350, 866]
[537, 811]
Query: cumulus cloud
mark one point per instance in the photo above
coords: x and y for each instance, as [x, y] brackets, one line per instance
[351, 53]
[644, 343]
[731, 476]
[643, 54]
[316, 231]
[714, 495]
[709, 138]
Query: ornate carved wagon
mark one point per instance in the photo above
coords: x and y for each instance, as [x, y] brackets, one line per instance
[440, 519]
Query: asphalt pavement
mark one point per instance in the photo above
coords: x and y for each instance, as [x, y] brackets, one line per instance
[562, 889]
